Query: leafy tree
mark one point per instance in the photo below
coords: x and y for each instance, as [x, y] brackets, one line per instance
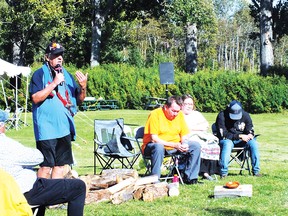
[27, 27]
[197, 18]
[235, 49]
[107, 12]
[266, 36]
[272, 21]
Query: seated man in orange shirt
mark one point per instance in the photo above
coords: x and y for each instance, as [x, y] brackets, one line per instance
[165, 133]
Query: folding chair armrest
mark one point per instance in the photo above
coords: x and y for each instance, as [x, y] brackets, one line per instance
[99, 143]
[131, 139]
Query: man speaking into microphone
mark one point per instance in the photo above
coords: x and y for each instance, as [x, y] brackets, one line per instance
[55, 95]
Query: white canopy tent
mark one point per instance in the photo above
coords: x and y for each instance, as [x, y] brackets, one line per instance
[10, 70]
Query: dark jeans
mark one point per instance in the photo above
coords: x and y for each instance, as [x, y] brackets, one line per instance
[47, 192]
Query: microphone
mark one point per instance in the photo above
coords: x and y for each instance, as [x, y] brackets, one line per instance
[58, 69]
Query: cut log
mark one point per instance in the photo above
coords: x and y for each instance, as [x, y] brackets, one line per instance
[103, 183]
[147, 180]
[241, 190]
[67, 172]
[123, 195]
[121, 173]
[98, 196]
[154, 191]
[87, 180]
[121, 185]
[138, 193]
[98, 186]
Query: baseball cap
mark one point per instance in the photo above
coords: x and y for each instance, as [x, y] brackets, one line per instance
[54, 48]
[235, 110]
[3, 116]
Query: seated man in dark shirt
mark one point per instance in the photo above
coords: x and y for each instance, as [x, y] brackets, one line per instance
[235, 128]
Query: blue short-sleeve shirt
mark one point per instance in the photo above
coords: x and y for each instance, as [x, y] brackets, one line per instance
[51, 119]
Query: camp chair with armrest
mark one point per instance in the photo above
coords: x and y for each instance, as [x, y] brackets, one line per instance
[112, 146]
[239, 155]
[15, 120]
[172, 163]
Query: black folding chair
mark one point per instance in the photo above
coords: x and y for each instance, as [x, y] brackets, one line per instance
[172, 163]
[239, 155]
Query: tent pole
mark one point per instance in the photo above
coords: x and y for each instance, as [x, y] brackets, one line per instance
[26, 102]
[16, 102]
[4, 93]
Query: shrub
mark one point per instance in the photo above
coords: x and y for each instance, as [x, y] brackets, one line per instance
[212, 90]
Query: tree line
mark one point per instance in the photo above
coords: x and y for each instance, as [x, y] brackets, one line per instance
[195, 35]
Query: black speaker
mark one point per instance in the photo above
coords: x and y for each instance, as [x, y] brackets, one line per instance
[166, 73]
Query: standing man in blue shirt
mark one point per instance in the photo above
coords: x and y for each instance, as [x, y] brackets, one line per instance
[55, 96]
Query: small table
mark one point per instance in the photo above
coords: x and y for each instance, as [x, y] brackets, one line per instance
[154, 102]
[92, 104]
[107, 104]
[88, 104]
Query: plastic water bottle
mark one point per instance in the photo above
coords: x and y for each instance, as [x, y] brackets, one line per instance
[174, 186]
[175, 179]
[173, 189]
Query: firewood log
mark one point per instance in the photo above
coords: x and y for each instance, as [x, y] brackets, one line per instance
[122, 173]
[138, 193]
[123, 195]
[121, 185]
[97, 196]
[146, 180]
[154, 191]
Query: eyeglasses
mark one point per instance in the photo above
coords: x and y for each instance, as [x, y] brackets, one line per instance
[188, 104]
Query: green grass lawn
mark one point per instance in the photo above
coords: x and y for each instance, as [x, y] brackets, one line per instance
[270, 192]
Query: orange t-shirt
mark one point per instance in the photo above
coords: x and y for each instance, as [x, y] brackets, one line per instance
[168, 130]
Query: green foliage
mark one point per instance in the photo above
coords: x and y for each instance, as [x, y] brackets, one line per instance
[214, 90]
[211, 90]
[278, 70]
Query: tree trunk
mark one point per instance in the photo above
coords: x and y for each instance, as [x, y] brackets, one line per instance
[266, 37]
[191, 48]
[226, 56]
[17, 58]
[237, 52]
[97, 21]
